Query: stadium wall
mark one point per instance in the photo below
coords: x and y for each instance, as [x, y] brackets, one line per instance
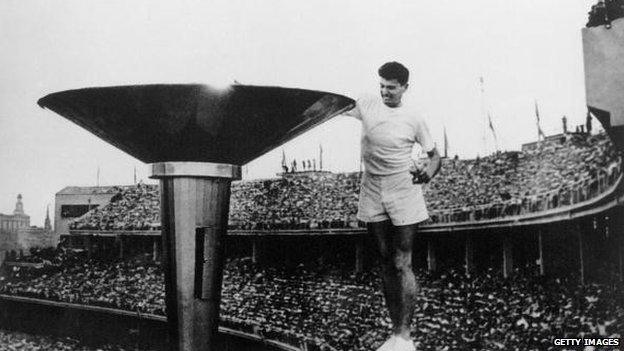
[88, 197]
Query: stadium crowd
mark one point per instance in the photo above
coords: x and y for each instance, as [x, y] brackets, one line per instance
[554, 172]
[17, 341]
[328, 307]
[131, 208]
[550, 170]
[296, 201]
[97, 282]
[604, 12]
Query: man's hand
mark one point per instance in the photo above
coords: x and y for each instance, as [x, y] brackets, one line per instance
[420, 177]
[423, 172]
[418, 171]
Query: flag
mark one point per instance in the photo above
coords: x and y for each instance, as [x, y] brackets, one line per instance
[492, 129]
[491, 126]
[445, 143]
[537, 113]
[540, 132]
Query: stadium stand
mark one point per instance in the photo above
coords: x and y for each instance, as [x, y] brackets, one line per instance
[328, 307]
[556, 173]
[323, 306]
[132, 208]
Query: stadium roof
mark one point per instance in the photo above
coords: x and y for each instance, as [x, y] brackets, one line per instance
[87, 190]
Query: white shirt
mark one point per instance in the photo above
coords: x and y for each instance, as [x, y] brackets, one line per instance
[389, 135]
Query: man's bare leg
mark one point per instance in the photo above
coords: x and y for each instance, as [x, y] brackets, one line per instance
[382, 232]
[395, 248]
[403, 246]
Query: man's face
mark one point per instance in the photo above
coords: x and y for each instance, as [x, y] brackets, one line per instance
[391, 91]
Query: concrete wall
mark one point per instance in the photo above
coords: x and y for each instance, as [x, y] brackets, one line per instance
[603, 49]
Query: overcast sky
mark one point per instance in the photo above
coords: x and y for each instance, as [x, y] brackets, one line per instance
[526, 50]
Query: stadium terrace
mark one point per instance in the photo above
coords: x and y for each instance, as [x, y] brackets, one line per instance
[558, 172]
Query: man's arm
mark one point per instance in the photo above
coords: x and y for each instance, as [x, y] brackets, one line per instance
[354, 112]
[423, 137]
[362, 104]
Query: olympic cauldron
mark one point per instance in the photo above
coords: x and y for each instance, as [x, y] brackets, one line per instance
[196, 137]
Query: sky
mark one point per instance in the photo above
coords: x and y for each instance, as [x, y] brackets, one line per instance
[526, 51]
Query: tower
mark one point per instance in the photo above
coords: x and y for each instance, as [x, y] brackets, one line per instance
[47, 226]
[19, 206]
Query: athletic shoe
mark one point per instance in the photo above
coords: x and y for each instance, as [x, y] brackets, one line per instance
[388, 345]
[401, 344]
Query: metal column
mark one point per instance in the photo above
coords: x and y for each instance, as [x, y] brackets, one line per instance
[194, 207]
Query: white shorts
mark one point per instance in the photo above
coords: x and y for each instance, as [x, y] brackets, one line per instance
[393, 197]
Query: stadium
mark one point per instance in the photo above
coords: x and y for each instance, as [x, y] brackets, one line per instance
[296, 254]
[521, 247]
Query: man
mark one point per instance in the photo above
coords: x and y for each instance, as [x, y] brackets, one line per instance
[391, 200]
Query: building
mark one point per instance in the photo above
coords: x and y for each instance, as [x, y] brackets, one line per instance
[74, 201]
[10, 223]
[36, 237]
[9, 226]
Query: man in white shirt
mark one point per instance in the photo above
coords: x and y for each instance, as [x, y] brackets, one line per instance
[391, 200]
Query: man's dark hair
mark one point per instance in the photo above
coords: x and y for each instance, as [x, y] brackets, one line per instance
[394, 70]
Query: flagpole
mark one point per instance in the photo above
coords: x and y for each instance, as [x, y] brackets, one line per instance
[284, 165]
[445, 144]
[537, 120]
[481, 84]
